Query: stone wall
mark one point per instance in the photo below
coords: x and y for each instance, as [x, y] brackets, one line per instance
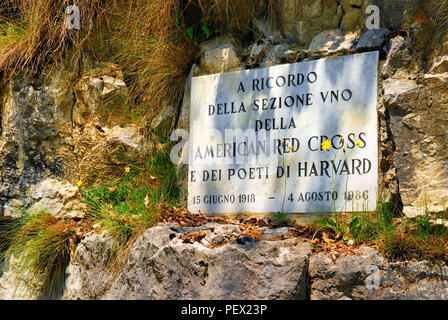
[413, 73]
[227, 264]
[55, 132]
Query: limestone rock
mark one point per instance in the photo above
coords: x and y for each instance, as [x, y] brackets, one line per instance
[275, 56]
[354, 14]
[418, 120]
[14, 285]
[96, 97]
[440, 65]
[267, 32]
[332, 41]
[220, 55]
[398, 57]
[86, 274]
[400, 94]
[221, 233]
[97, 148]
[301, 20]
[398, 14]
[162, 266]
[128, 136]
[368, 276]
[257, 53]
[59, 198]
[372, 39]
[31, 145]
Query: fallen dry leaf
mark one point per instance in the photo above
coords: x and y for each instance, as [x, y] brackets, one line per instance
[146, 201]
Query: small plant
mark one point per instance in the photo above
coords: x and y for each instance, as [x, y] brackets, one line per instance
[280, 216]
[335, 225]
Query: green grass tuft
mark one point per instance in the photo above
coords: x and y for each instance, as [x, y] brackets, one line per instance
[39, 245]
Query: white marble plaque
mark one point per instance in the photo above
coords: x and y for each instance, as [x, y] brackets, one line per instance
[256, 138]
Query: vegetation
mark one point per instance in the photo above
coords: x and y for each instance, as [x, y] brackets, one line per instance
[397, 238]
[127, 206]
[40, 246]
[34, 32]
[155, 42]
[124, 207]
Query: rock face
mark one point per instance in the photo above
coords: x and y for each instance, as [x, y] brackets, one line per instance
[162, 266]
[372, 39]
[59, 198]
[301, 20]
[220, 55]
[417, 105]
[33, 112]
[368, 276]
[55, 131]
[333, 40]
[413, 73]
[226, 264]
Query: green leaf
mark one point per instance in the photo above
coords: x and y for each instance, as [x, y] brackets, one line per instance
[345, 238]
[206, 30]
[190, 32]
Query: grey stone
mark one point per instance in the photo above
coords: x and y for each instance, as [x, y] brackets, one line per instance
[275, 55]
[162, 268]
[419, 158]
[33, 112]
[221, 233]
[127, 136]
[400, 93]
[257, 53]
[56, 197]
[267, 32]
[372, 39]
[17, 285]
[220, 55]
[96, 96]
[399, 56]
[300, 20]
[368, 276]
[333, 41]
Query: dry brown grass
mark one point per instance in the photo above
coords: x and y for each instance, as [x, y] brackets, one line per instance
[33, 32]
[156, 52]
[153, 50]
[147, 38]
